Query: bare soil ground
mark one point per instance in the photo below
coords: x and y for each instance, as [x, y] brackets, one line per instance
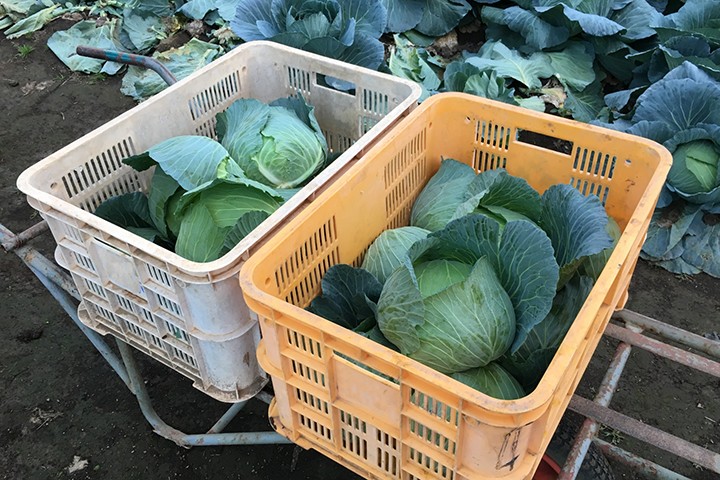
[58, 399]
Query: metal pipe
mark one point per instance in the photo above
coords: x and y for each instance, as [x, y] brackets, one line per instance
[227, 417]
[264, 397]
[638, 464]
[242, 438]
[182, 439]
[11, 242]
[128, 59]
[37, 261]
[70, 308]
[669, 332]
[661, 349]
[590, 428]
[137, 387]
[651, 435]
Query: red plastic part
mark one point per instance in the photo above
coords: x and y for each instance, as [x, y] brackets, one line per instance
[548, 469]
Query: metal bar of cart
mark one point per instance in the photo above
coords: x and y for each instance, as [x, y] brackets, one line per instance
[61, 287]
[597, 411]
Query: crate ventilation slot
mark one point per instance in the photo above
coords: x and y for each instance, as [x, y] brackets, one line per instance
[98, 168]
[597, 164]
[298, 80]
[215, 97]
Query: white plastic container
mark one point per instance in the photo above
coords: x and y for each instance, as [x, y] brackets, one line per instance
[192, 316]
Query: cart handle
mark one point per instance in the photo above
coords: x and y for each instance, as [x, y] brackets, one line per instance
[128, 59]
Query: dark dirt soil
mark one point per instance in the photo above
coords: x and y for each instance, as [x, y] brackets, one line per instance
[58, 399]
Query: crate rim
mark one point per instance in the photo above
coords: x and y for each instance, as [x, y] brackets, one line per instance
[225, 266]
[529, 405]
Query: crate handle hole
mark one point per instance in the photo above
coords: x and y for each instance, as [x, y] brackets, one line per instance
[338, 84]
[547, 142]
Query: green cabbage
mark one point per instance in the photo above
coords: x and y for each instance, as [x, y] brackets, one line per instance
[695, 167]
[466, 324]
[492, 380]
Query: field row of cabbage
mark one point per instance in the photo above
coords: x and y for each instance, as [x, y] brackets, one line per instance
[647, 67]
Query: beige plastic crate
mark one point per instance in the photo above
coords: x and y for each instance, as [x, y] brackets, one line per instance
[192, 316]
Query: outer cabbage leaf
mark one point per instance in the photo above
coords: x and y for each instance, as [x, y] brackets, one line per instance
[496, 188]
[141, 83]
[192, 160]
[492, 380]
[441, 16]
[64, 43]
[162, 187]
[347, 297]
[702, 251]
[409, 62]
[200, 239]
[638, 18]
[403, 15]
[228, 199]
[34, 22]
[437, 202]
[586, 105]
[529, 362]
[144, 31]
[510, 64]
[700, 17]
[129, 211]
[684, 98]
[244, 226]
[595, 264]
[389, 250]
[576, 226]
[538, 33]
[590, 16]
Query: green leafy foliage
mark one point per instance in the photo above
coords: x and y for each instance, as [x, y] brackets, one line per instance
[141, 83]
[200, 201]
[64, 43]
[344, 29]
[529, 362]
[481, 293]
[412, 63]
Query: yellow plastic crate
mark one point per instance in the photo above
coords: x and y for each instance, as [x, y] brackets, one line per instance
[425, 425]
[189, 315]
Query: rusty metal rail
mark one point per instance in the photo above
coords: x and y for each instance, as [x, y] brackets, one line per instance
[630, 333]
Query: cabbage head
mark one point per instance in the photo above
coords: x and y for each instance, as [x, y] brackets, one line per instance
[492, 380]
[446, 314]
[681, 111]
[469, 292]
[695, 167]
[280, 144]
[389, 249]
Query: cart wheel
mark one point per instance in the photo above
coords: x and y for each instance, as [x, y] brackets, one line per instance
[595, 466]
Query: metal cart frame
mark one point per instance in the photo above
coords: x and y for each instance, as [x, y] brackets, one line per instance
[629, 328]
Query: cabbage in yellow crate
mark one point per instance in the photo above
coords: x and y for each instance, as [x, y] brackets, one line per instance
[386, 415]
